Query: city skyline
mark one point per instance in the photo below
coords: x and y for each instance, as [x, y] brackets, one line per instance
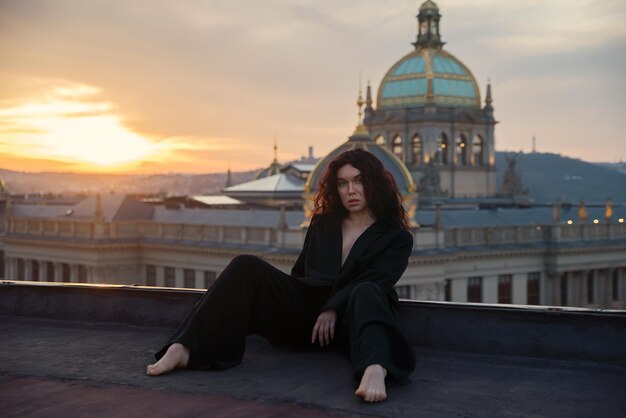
[203, 86]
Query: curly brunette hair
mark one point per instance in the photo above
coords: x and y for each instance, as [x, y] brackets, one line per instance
[381, 192]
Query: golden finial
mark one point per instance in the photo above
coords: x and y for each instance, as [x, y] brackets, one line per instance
[360, 128]
[360, 102]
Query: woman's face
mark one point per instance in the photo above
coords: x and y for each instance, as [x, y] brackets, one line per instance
[350, 188]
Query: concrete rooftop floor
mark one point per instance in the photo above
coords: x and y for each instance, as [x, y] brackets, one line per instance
[52, 368]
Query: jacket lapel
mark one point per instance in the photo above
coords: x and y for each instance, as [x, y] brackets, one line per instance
[360, 245]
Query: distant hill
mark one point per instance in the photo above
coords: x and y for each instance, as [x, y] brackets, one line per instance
[72, 183]
[546, 176]
[551, 176]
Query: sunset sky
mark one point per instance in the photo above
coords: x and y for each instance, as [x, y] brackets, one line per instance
[199, 86]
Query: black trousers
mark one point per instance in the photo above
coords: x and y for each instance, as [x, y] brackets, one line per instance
[253, 297]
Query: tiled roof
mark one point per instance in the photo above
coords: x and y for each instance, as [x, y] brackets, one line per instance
[215, 200]
[114, 208]
[283, 182]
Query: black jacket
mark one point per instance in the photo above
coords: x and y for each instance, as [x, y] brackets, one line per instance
[380, 255]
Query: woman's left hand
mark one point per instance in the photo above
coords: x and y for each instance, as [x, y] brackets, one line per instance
[324, 329]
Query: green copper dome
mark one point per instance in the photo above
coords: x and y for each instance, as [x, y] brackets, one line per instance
[428, 76]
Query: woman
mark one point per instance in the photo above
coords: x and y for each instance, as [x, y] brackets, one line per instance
[340, 291]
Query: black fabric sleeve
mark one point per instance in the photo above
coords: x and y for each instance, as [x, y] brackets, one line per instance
[385, 270]
[298, 268]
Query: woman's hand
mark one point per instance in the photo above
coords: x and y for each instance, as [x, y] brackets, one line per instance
[324, 329]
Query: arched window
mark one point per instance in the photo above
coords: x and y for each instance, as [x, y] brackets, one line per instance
[397, 147]
[380, 140]
[477, 147]
[417, 149]
[441, 153]
[460, 150]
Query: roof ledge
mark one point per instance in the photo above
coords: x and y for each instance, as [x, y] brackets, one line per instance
[537, 331]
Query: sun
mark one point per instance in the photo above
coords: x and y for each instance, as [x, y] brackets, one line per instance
[69, 124]
[100, 140]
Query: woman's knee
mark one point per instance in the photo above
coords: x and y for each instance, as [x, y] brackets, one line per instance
[240, 268]
[243, 262]
[366, 290]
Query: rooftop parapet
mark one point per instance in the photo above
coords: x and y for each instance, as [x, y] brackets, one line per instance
[537, 331]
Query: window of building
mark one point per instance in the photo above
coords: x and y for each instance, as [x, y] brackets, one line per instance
[380, 140]
[460, 150]
[209, 278]
[505, 289]
[447, 290]
[34, 270]
[20, 269]
[190, 278]
[532, 288]
[404, 292]
[50, 272]
[475, 289]
[170, 277]
[590, 287]
[563, 289]
[82, 274]
[441, 153]
[65, 273]
[615, 285]
[397, 147]
[477, 147]
[151, 279]
[417, 150]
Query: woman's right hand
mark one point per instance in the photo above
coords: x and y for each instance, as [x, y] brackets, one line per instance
[324, 329]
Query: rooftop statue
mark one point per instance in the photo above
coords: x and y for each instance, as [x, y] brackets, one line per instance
[512, 182]
[608, 209]
[582, 211]
[430, 183]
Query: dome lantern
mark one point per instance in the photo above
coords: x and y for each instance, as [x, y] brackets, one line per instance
[428, 35]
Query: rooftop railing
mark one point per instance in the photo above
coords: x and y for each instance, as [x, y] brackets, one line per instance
[292, 238]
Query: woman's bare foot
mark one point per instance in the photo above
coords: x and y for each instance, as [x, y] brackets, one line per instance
[372, 387]
[176, 356]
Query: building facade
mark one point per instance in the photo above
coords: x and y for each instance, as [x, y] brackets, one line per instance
[560, 264]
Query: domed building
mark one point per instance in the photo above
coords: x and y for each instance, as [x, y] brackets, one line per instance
[428, 108]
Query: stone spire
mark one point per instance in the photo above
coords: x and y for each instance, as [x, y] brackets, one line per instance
[275, 166]
[428, 35]
[229, 178]
[275, 152]
[369, 110]
[488, 109]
